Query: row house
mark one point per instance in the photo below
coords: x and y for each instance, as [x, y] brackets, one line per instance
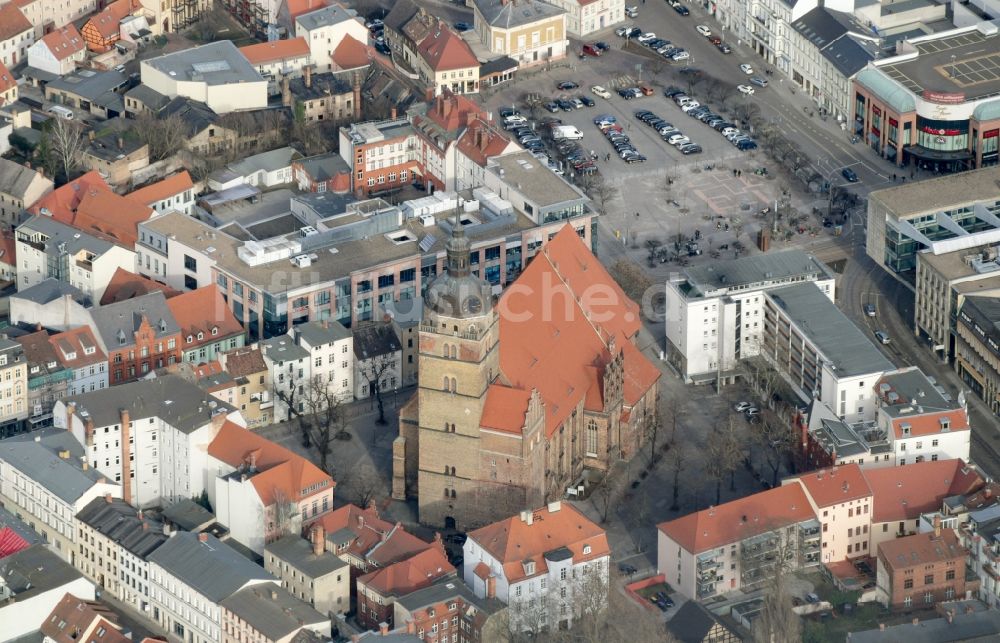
[267, 614]
[16, 35]
[384, 155]
[325, 97]
[20, 187]
[46, 480]
[79, 352]
[139, 335]
[151, 436]
[114, 541]
[48, 378]
[58, 52]
[261, 490]
[544, 564]
[378, 360]
[331, 349]
[842, 501]
[14, 408]
[445, 62]
[980, 536]
[103, 30]
[207, 326]
[309, 572]
[176, 192]
[32, 596]
[46, 16]
[117, 156]
[289, 372]
[249, 372]
[190, 575]
[378, 590]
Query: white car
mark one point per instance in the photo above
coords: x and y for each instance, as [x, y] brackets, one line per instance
[673, 139]
[680, 55]
[703, 30]
[683, 140]
[745, 89]
[600, 91]
[632, 12]
[687, 107]
[646, 37]
[746, 69]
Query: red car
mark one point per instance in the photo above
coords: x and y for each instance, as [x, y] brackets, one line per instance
[591, 50]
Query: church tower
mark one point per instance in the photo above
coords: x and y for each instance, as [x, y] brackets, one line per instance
[459, 359]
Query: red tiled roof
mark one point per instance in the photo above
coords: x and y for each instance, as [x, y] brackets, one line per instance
[202, 310]
[11, 542]
[298, 7]
[7, 80]
[12, 22]
[62, 202]
[275, 50]
[570, 315]
[409, 575]
[73, 617]
[743, 518]
[8, 248]
[923, 549]
[351, 53]
[111, 215]
[244, 362]
[444, 50]
[480, 142]
[454, 111]
[930, 423]
[482, 570]
[107, 22]
[903, 493]
[505, 408]
[126, 285]
[279, 471]
[64, 42]
[374, 539]
[513, 541]
[74, 341]
[835, 485]
[168, 187]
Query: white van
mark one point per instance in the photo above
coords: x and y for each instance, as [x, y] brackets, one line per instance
[566, 133]
[60, 111]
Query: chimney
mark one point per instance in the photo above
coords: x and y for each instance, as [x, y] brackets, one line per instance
[139, 514]
[218, 420]
[916, 621]
[121, 143]
[253, 460]
[203, 537]
[126, 462]
[64, 454]
[286, 92]
[91, 136]
[317, 535]
[166, 528]
[529, 518]
[307, 74]
[383, 628]
[392, 113]
[937, 526]
[491, 586]
[67, 302]
[274, 595]
[84, 466]
[107, 498]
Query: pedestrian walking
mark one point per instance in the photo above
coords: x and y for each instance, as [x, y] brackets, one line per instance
[636, 215]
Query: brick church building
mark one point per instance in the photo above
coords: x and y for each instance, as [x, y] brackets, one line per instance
[517, 398]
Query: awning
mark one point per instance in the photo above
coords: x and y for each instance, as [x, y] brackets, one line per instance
[937, 155]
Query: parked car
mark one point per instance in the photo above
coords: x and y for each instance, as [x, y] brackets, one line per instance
[703, 30]
[882, 336]
[603, 46]
[758, 81]
[681, 9]
[383, 49]
[742, 406]
[680, 55]
[462, 26]
[646, 37]
[724, 48]
[586, 100]
[690, 148]
[567, 85]
[632, 12]
[849, 174]
[745, 89]
[746, 69]
[551, 106]
[591, 50]
[600, 91]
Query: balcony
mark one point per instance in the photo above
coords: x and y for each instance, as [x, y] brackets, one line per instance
[708, 563]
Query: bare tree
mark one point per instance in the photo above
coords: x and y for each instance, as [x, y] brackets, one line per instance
[732, 451]
[776, 440]
[65, 141]
[777, 622]
[600, 191]
[716, 462]
[676, 463]
[287, 519]
[651, 428]
[164, 136]
[632, 279]
[359, 484]
[605, 491]
[375, 370]
[671, 406]
[325, 416]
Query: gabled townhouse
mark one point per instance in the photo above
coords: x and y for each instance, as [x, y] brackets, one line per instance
[269, 614]
[540, 563]
[14, 407]
[309, 572]
[378, 360]
[78, 351]
[48, 379]
[842, 501]
[331, 353]
[260, 490]
[322, 173]
[248, 370]
[20, 187]
[532, 32]
[35, 581]
[277, 59]
[190, 576]
[139, 335]
[46, 16]
[207, 326]
[16, 35]
[446, 62]
[176, 192]
[114, 542]
[46, 479]
[324, 29]
[103, 30]
[150, 436]
[448, 607]
[734, 545]
[477, 145]
[378, 590]
[59, 51]
[75, 619]
[405, 27]
[366, 541]
[48, 249]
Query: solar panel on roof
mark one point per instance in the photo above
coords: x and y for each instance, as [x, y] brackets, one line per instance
[210, 66]
[427, 242]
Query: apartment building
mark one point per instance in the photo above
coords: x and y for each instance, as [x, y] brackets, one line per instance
[715, 313]
[190, 575]
[734, 545]
[979, 536]
[764, 26]
[378, 590]
[16, 35]
[20, 187]
[45, 16]
[821, 352]
[176, 192]
[139, 335]
[78, 351]
[269, 614]
[46, 480]
[290, 371]
[539, 562]
[182, 266]
[331, 355]
[114, 541]
[977, 348]
[585, 17]
[150, 436]
[14, 407]
[922, 570]
[841, 500]
[48, 379]
[445, 62]
[384, 154]
[249, 372]
[532, 32]
[309, 572]
[58, 52]
[324, 29]
[261, 490]
[47, 249]
[378, 360]
[326, 97]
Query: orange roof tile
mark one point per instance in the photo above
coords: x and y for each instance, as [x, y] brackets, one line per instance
[244, 362]
[563, 315]
[351, 53]
[903, 493]
[921, 549]
[61, 203]
[111, 215]
[7, 80]
[73, 617]
[371, 538]
[930, 423]
[107, 22]
[275, 50]
[513, 541]
[201, 311]
[743, 518]
[70, 347]
[481, 142]
[8, 248]
[836, 485]
[505, 408]
[64, 42]
[168, 187]
[409, 575]
[126, 285]
[482, 570]
[454, 111]
[12, 22]
[444, 50]
[279, 471]
[298, 7]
